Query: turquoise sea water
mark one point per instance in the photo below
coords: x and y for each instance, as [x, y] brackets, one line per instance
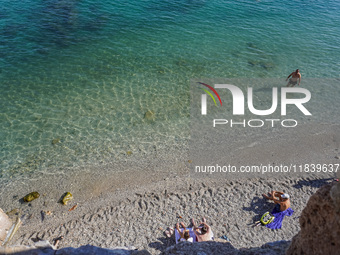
[78, 79]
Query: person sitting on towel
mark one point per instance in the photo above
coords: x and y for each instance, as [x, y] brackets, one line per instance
[281, 209]
[203, 232]
[279, 198]
[185, 235]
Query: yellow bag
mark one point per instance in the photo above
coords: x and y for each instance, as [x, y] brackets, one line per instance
[267, 218]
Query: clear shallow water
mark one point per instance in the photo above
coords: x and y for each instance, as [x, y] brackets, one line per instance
[77, 78]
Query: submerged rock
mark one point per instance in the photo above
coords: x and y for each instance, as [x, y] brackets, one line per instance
[55, 141]
[181, 63]
[267, 65]
[149, 115]
[252, 63]
[31, 196]
[252, 45]
[261, 64]
[66, 198]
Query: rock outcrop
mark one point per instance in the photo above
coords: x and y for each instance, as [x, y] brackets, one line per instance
[320, 224]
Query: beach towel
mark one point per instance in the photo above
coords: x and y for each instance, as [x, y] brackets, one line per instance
[279, 216]
[191, 232]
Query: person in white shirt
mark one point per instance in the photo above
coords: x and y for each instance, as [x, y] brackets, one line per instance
[185, 235]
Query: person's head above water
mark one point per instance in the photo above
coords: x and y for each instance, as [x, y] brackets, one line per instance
[297, 70]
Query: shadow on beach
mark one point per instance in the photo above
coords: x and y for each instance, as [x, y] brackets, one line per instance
[259, 205]
[86, 249]
[163, 243]
[317, 183]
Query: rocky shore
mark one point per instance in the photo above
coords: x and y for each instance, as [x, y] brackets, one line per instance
[139, 217]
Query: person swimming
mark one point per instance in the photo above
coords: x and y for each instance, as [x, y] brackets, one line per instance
[296, 76]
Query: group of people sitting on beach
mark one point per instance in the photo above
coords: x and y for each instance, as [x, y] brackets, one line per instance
[204, 233]
[199, 233]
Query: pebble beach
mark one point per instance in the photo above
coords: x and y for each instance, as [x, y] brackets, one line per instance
[138, 217]
[136, 207]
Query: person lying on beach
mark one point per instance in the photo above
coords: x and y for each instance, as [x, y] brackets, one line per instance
[203, 232]
[279, 198]
[184, 235]
[295, 77]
